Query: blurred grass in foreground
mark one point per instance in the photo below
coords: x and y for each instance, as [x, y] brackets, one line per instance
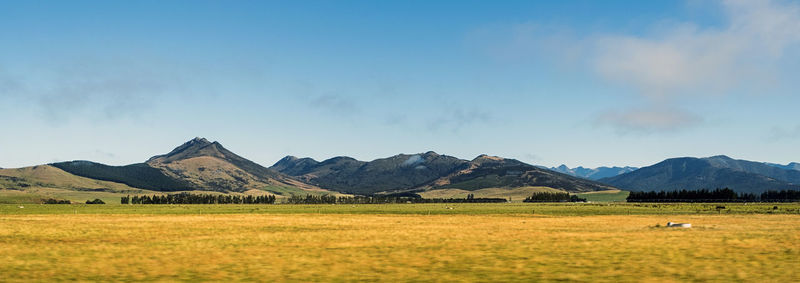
[369, 247]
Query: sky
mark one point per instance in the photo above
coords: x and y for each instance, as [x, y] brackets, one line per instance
[581, 83]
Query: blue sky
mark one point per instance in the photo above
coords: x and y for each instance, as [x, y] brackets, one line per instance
[587, 83]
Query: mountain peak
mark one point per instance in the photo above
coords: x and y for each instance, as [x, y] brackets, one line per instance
[431, 153]
[483, 157]
[720, 157]
[288, 158]
[193, 148]
[199, 140]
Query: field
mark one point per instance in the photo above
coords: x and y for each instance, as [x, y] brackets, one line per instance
[605, 196]
[404, 242]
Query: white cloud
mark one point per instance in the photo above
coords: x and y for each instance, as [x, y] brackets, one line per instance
[685, 60]
[671, 64]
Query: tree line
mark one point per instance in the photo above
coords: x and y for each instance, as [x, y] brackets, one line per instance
[717, 195]
[187, 198]
[64, 201]
[377, 199]
[553, 197]
[56, 201]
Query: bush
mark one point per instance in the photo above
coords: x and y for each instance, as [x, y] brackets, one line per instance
[95, 201]
[56, 201]
[553, 197]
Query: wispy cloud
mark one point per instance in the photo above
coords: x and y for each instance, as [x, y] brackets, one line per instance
[456, 118]
[778, 133]
[339, 105]
[97, 90]
[648, 120]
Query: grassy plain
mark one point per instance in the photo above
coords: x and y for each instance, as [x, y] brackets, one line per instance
[551, 209]
[605, 196]
[402, 242]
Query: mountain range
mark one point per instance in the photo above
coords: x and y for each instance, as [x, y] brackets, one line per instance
[707, 173]
[593, 173]
[202, 165]
[427, 171]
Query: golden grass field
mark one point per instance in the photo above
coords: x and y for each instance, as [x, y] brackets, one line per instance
[394, 247]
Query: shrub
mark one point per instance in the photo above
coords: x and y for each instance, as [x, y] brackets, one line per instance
[95, 201]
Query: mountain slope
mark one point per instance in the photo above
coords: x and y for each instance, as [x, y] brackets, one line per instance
[208, 165]
[593, 173]
[195, 165]
[495, 172]
[427, 171]
[138, 175]
[346, 174]
[790, 166]
[707, 173]
[760, 168]
[294, 166]
[52, 177]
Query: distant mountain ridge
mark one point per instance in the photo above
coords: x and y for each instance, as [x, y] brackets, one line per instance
[707, 173]
[593, 173]
[790, 166]
[425, 171]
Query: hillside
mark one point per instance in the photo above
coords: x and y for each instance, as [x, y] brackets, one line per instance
[138, 175]
[208, 165]
[427, 171]
[593, 173]
[496, 172]
[708, 173]
[790, 166]
[195, 165]
[345, 174]
[33, 184]
[53, 177]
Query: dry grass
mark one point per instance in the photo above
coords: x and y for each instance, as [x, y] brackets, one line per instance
[328, 247]
[52, 177]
